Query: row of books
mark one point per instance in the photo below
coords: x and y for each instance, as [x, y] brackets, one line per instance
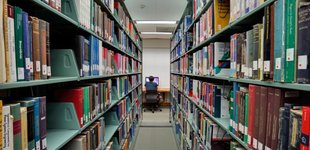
[23, 123]
[240, 8]
[24, 46]
[259, 115]
[197, 7]
[56, 4]
[93, 137]
[200, 131]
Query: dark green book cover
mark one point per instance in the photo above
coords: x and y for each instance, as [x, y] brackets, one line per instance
[18, 25]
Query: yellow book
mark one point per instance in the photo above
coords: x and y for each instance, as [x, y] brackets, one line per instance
[221, 14]
[2, 51]
[6, 40]
[24, 133]
[1, 123]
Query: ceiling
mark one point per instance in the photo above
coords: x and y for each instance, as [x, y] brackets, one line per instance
[158, 10]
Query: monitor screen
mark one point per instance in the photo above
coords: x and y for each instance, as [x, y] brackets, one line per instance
[156, 80]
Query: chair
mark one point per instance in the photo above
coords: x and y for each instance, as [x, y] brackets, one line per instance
[152, 100]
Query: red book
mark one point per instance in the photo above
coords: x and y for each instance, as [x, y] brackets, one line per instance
[270, 107]
[256, 119]
[262, 117]
[76, 97]
[210, 97]
[305, 129]
[251, 115]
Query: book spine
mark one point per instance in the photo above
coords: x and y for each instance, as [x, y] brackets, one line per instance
[36, 48]
[275, 118]
[3, 77]
[36, 110]
[20, 66]
[246, 118]
[290, 58]
[251, 115]
[15, 111]
[270, 106]
[267, 43]
[30, 48]
[256, 118]
[11, 44]
[303, 47]
[26, 48]
[48, 51]
[6, 41]
[295, 129]
[305, 130]
[278, 38]
[42, 41]
[5, 128]
[43, 141]
[262, 118]
[23, 118]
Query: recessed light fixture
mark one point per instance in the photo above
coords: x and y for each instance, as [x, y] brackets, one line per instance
[155, 22]
[157, 33]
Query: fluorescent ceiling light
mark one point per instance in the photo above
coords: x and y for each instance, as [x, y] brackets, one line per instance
[156, 22]
[157, 33]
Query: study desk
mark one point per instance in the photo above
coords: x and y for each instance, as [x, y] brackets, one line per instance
[162, 91]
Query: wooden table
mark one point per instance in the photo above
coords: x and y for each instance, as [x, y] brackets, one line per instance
[164, 91]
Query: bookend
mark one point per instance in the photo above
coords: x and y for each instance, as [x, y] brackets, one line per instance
[68, 7]
[111, 119]
[63, 63]
[115, 145]
[115, 96]
[62, 116]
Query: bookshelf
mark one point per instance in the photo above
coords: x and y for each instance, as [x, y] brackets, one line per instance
[60, 131]
[192, 78]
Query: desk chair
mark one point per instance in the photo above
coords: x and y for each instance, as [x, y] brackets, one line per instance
[152, 100]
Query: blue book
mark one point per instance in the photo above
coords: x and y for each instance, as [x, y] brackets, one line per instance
[26, 48]
[36, 121]
[42, 123]
[235, 105]
[30, 49]
[216, 102]
[278, 42]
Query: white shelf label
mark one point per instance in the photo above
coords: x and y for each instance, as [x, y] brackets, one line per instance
[278, 63]
[267, 65]
[21, 73]
[38, 66]
[302, 62]
[255, 65]
[290, 54]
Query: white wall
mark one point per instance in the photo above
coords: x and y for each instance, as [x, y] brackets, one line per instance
[156, 61]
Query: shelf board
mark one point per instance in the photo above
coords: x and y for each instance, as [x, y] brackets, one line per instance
[107, 76]
[57, 138]
[109, 132]
[52, 80]
[293, 86]
[133, 142]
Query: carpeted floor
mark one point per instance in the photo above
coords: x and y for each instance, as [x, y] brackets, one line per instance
[155, 132]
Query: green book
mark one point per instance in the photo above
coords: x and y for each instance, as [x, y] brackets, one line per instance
[18, 26]
[246, 119]
[86, 106]
[15, 112]
[290, 16]
[231, 111]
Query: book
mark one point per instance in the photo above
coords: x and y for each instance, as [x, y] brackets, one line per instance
[221, 59]
[24, 134]
[295, 129]
[26, 46]
[15, 111]
[42, 41]
[20, 65]
[6, 128]
[257, 112]
[11, 44]
[2, 46]
[6, 40]
[48, 51]
[78, 143]
[269, 121]
[43, 130]
[11, 134]
[263, 105]
[304, 144]
[36, 53]
[221, 14]
[303, 71]
[28, 103]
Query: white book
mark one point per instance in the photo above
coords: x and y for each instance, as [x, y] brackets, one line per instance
[2, 50]
[11, 46]
[101, 71]
[221, 59]
[6, 128]
[24, 132]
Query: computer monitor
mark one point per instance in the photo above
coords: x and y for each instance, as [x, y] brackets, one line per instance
[156, 80]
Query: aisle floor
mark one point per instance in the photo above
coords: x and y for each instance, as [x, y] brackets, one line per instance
[156, 132]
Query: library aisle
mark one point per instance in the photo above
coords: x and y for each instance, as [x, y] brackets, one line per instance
[155, 132]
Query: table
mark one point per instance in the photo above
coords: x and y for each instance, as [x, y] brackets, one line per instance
[164, 91]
